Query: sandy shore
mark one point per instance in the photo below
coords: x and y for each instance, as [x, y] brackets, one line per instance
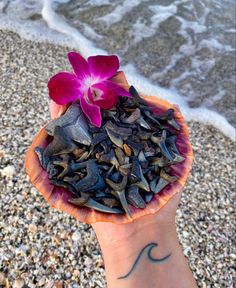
[42, 247]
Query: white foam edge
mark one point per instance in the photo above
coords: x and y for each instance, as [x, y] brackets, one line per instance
[70, 37]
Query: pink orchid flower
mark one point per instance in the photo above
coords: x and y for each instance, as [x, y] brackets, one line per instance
[91, 83]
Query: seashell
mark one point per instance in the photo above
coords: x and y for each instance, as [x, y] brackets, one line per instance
[58, 197]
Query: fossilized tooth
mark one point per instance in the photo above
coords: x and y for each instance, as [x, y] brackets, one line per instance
[148, 197]
[109, 158]
[52, 170]
[93, 180]
[136, 147]
[169, 117]
[110, 170]
[123, 170]
[120, 155]
[115, 177]
[136, 96]
[153, 183]
[79, 131]
[83, 157]
[161, 141]
[65, 185]
[134, 198]
[102, 194]
[143, 184]
[171, 142]
[115, 138]
[109, 114]
[178, 158]
[43, 160]
[80, 201]
[110, 202]
[164, 180]
[127, 149]
[93, 129]
[100, 207]
[60, 144]
[143, 123]
[144, 135]
[121, 131]
[135, 171]
[160, 161]
[98, 138]
[69, 167]
[168, 177]
[104, 145]
[119, 191]
[69, 117]
[133, 117]
[72, 179]
[78, 152]
[141, 157]
[150, 116]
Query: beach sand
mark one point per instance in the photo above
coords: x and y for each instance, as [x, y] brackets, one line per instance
[42, 247]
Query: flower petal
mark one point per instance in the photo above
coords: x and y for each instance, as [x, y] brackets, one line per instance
[103, 96]
[103, 67]
[118, 90]
[79, 64]
[64, 87]
[92, 111]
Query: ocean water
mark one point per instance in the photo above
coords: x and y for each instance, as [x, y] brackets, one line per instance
[179, 50]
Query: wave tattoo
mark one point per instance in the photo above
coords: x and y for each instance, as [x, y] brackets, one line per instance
[148, 248]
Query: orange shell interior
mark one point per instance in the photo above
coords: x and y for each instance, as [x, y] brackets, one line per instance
[58, 197]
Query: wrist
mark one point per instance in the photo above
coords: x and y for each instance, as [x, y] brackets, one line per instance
[128, 236]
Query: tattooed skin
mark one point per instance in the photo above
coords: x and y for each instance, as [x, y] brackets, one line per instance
[146, 250]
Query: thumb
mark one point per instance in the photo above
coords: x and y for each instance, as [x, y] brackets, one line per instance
[56, 110]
